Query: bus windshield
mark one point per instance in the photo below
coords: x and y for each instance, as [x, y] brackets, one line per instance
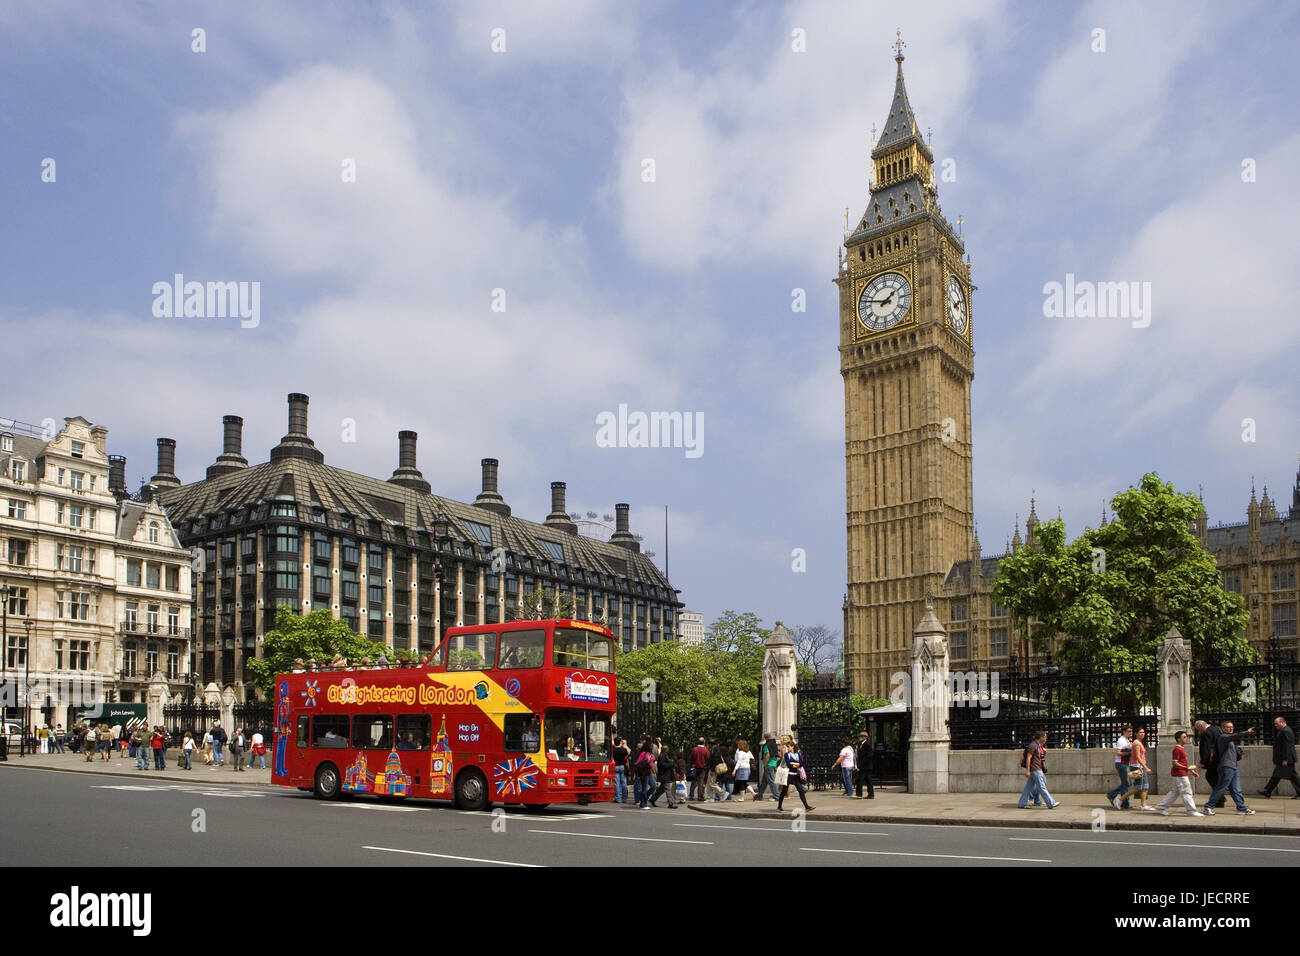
[575, 647]
[577, 735]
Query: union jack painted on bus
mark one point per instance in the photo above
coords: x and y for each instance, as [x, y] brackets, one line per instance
[515, 776]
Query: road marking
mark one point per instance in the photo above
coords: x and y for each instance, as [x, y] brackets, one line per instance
[373, 806]
[207, 792]
[719, 826]
[557, 817]
[940, 856]
[1190, 846]
[448, 856]
[603, 836]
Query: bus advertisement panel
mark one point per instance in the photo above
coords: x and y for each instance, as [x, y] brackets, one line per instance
[516, 713]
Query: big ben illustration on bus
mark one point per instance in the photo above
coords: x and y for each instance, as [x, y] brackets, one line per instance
[440, 770]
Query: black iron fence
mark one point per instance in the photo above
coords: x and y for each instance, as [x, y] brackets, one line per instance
[252, 715]
[1003, 709]
[193, 715]
[1249, 695]
[825, 718]
[636, 715]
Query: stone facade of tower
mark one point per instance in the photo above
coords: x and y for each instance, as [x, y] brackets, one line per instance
[907, 360]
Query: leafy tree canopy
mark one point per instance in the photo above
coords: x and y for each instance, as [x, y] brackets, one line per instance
[1117, 590]
[315, 636]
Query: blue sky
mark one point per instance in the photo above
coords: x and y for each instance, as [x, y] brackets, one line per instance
[522, 170]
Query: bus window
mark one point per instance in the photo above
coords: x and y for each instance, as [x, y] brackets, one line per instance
[522, 649]
[577, 735]
[413, 731]
[330, 730]
[522, 733]
[304, 730]
[471, 652]
[372, 732]
[575, 647]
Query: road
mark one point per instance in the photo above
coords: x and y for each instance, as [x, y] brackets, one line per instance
[68, 819]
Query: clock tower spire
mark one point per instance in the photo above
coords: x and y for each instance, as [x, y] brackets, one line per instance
[907, 360]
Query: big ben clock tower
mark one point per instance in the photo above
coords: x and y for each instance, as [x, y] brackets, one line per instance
[907, 358]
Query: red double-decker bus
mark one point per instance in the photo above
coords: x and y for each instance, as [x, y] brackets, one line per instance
[516, 713]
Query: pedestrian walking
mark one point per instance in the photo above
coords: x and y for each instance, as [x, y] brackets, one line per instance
[618, 756]
[743, 761]
[865, 756]
[795, 773]
[43, 739]
[258, 753]
[1283, 759]
[720, 766]
[664, 773]
[158, 744]
[1139, 774]
[769, 757]
[123, 738]
[698, 771]
[237, 749]
[847, 763]
[106, 742]
[1034, 760]
[58, 738]
[1209, 735]
[187, 751]
[218, 743]
[114, 739]
[1123, 751]
[88, 743]
[1225, 748]
[645, 779]
[141, 753]
[1180, 787]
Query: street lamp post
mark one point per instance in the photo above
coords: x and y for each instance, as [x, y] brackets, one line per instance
[4, 670]
[27, 678]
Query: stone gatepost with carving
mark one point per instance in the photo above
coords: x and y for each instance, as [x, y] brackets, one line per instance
[927, 758]
[155, 699]
[228, 710]
[779, 680]
[1174, 663]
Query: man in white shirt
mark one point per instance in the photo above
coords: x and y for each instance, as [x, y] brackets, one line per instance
[1123, 748]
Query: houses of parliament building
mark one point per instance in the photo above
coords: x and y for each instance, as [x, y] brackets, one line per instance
[907, 359]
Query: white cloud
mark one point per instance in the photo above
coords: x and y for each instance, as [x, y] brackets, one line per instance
[759, 154]
[547, 31]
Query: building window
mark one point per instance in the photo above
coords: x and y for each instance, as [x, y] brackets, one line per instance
[173, 578]
[6, 442]
[78, 479]
[376, 558]
[285, 539]
[151, 618]
[17, 509]
[322, 548]
[960, 648]
[996, 609]
[1232, 581]
[284, 509]
[480, 531]
[286, 575]
[18, 548]
[1284, 620]
[74, 516]
[248, 546]
[17, 602]
[998, 642]
[173, 620]
[1284, 580]
[151, 660]
[173, 663]
[958, 610]
[133, 572]
[351, 552]
[128, 659]
[153, 575]
[153, 532]
[17, 651]
[129, 615]
[78, 449]
[16, 469]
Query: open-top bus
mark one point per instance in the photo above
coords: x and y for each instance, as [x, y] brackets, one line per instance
[514, 713]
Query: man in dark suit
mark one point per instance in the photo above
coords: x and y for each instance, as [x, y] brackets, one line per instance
[863, 770]
[1283, 759]
[1208, 736]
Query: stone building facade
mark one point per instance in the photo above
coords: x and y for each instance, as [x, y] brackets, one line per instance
[388, 556]
[68, 535]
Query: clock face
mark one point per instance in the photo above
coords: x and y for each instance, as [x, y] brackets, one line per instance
[884, 301]
[957, 313]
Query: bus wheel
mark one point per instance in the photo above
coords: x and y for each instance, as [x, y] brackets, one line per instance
[471, 791]
[535, 807]
[327, 782]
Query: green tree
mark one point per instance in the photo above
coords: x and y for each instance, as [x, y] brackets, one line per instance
[316, 636]
[541, 604]
[1117, 590]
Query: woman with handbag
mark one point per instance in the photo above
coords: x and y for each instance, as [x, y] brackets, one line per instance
[1139, 774]
[187, 751]
[795, 773]
[743, 759]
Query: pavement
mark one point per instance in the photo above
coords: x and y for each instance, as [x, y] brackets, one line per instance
[1279, 815]
[125, 766]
